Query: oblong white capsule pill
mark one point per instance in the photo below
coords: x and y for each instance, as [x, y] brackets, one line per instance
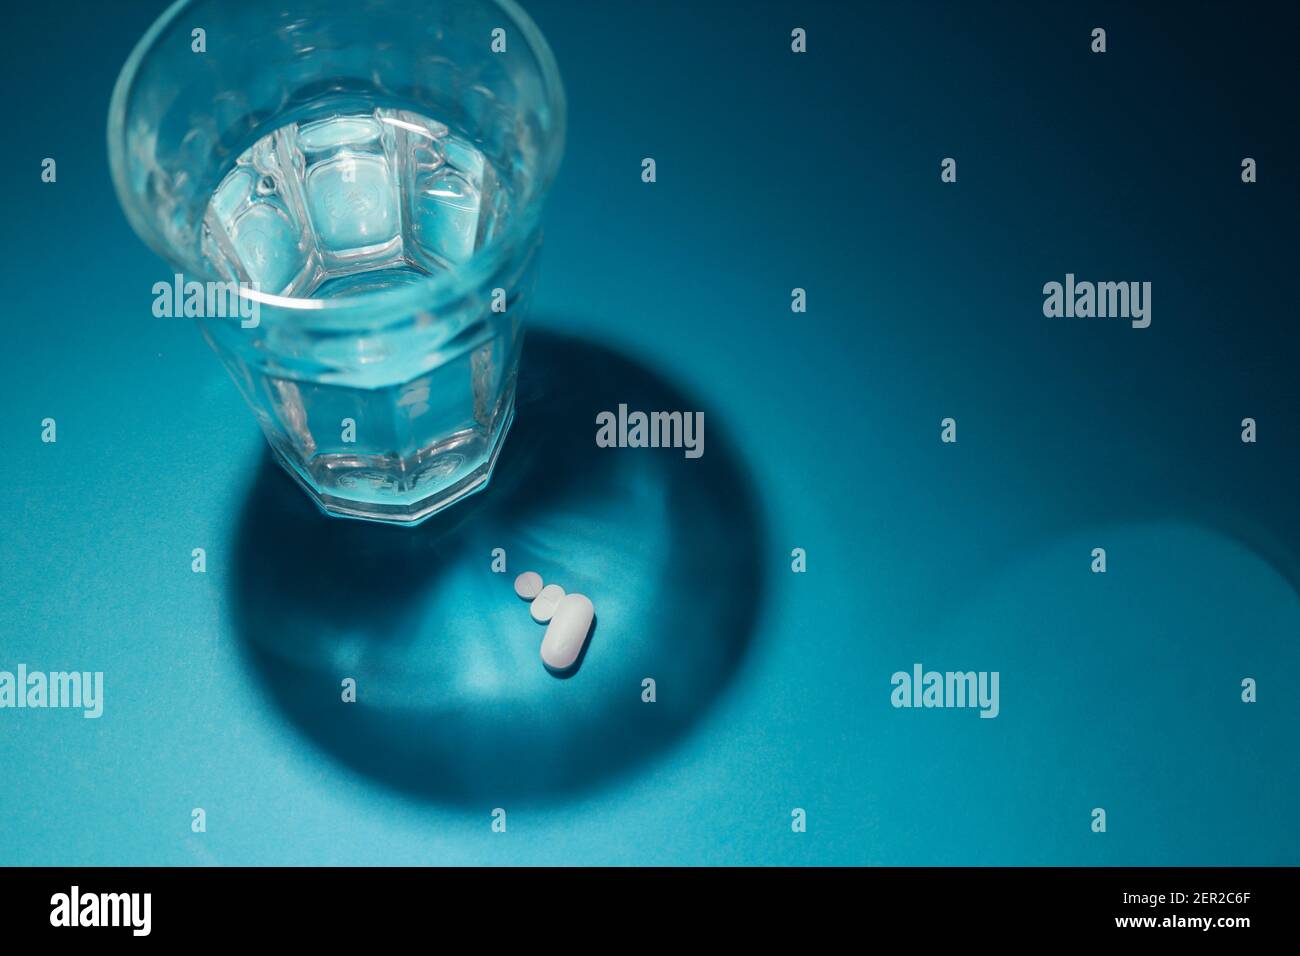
[546, 602]
[528, 585]
[567, 633]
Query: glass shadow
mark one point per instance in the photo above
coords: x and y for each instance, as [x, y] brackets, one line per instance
[453, 703]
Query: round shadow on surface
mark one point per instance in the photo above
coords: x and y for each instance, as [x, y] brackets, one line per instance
[453, 701]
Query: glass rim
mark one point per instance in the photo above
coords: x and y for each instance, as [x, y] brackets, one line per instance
[450, 284]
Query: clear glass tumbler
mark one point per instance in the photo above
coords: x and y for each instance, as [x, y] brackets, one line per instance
[367, 177]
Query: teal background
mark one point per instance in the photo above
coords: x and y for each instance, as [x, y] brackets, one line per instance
[820, 171]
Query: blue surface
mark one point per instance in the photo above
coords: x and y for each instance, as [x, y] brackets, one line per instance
[820, 171]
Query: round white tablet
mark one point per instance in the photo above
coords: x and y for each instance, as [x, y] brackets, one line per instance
[528, 585]
[544, 604]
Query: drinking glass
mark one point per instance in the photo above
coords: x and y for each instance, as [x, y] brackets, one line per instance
[366, 177]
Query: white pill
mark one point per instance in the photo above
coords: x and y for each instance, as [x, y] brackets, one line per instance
[567, 633]
[528, 585]
[546, 602]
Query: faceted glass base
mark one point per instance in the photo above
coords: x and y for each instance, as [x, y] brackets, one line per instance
[419, 507]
